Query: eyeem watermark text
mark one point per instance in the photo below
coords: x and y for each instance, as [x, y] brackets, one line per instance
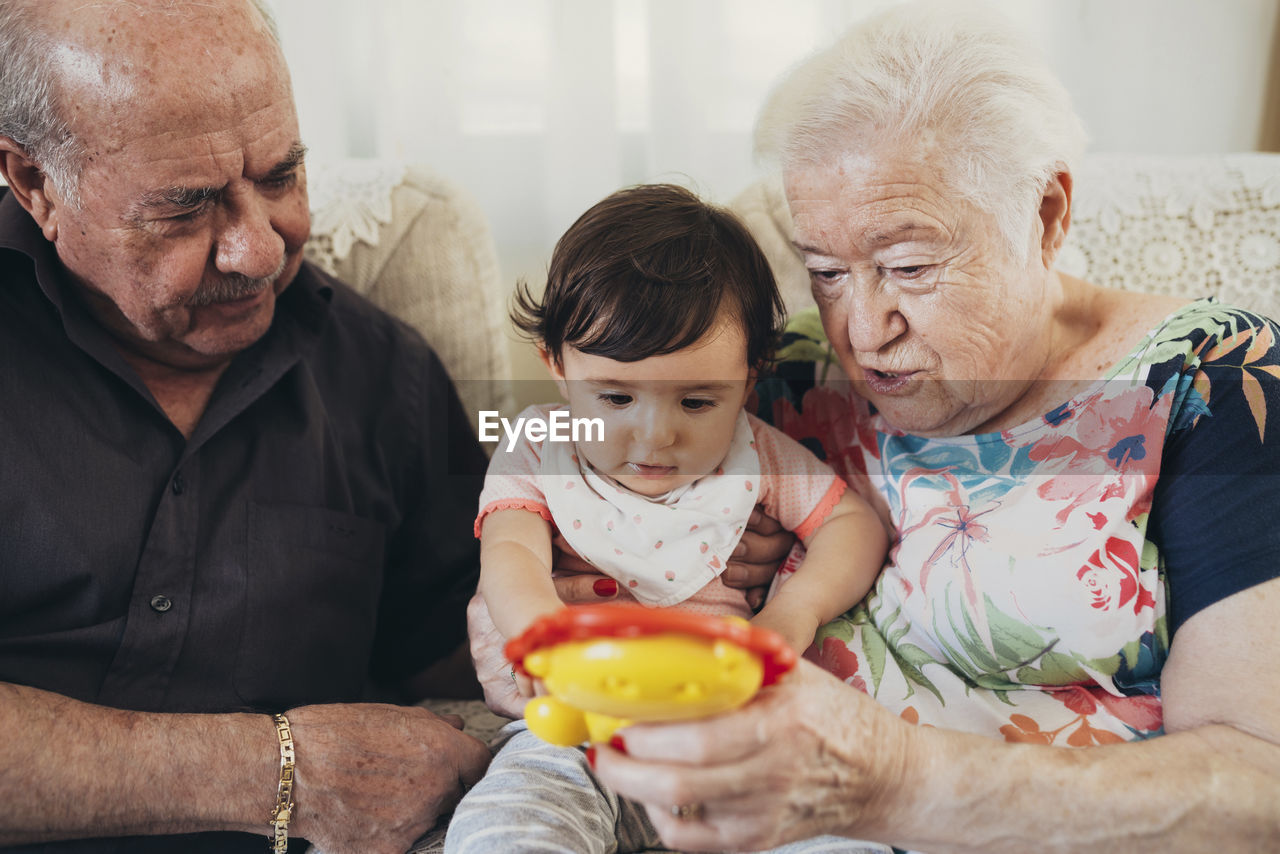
[560, 427]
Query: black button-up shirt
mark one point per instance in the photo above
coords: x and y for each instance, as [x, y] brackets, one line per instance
[312, 535]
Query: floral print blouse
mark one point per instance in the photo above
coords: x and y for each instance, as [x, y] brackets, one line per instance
[1038, 573]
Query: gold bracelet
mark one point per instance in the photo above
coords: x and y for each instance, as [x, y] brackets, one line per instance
[284, 794]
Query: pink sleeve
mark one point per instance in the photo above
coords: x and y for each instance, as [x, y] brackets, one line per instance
[511, 482]
[798, 489]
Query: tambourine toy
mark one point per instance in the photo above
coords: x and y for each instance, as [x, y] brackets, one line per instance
[608, 666]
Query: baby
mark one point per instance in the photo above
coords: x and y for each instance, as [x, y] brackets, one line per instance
[658, 313]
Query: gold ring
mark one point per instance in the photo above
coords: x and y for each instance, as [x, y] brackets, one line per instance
[689, 812]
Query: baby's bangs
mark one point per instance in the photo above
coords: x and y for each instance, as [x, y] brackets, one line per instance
[643, 318]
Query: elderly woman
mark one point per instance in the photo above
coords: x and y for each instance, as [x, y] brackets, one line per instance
[1081, 485]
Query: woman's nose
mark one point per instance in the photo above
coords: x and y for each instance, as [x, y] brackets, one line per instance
[872, 319]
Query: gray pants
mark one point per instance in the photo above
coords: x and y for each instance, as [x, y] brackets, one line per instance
[539, 797]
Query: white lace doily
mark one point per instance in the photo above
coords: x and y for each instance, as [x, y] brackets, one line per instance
[1190, 226]
[350, 201]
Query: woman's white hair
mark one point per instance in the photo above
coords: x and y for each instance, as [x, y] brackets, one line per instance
[953, 80]
[30, 109]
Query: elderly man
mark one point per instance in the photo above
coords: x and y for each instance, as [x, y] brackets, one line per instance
[229, 486]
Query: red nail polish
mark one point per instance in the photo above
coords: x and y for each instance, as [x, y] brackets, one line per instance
[618, 744]
[591, 756]
[605, 587]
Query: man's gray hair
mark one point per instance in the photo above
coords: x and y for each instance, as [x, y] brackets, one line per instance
[30, 108]
[931, 77]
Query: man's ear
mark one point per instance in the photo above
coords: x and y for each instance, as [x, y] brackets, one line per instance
[1055, 216]
[555, 369]
[30, 186]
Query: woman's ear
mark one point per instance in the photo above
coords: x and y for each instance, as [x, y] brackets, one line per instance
[555, 369]
[30, 187]
[1055, 216]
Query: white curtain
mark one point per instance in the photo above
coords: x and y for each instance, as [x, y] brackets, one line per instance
[541, 107]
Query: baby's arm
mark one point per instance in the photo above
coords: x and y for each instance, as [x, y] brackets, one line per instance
[843, 557]
[515, 569]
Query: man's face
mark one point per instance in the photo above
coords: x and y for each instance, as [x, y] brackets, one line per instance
[193, 205]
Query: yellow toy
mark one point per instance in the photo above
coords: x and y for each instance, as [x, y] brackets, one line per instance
[608, 666]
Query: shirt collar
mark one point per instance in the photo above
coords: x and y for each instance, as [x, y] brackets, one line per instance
[19, 232]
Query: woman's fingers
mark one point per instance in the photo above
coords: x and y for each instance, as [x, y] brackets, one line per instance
[584, 589]
[759, 553]
[774, 771]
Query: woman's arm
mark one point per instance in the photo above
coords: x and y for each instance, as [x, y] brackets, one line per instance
[843, 556]
[813, 756]
[515, 569]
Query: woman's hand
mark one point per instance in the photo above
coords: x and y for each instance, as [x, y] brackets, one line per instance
[505, 691]
[806, 757]
[759, 554]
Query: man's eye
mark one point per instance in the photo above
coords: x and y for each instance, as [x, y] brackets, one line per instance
[693, 404]
[614, 398]
[824, 275]
[189, 214]
[280, 182]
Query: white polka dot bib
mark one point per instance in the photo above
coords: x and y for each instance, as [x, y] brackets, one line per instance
[664, 549]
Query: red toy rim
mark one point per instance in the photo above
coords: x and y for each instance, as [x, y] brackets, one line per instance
[583, 622]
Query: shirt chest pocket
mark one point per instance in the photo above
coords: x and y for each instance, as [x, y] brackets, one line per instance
[314, 578]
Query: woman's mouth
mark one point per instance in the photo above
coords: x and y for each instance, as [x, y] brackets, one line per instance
[648, 470]
[887, 382]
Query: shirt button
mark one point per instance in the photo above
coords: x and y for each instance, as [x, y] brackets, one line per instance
[179, 484]
[160, 604]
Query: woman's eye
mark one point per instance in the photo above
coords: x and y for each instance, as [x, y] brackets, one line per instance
[824, 275]
[910, 271]
[694, 404]
[614, 398]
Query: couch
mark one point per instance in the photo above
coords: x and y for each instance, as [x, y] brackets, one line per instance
[416, 245]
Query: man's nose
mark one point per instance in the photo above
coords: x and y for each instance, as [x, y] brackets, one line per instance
[248, 243]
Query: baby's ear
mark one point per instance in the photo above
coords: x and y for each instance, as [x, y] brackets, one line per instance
[555, 369]
[749, 399]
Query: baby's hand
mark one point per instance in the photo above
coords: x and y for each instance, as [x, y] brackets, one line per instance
[798, 633]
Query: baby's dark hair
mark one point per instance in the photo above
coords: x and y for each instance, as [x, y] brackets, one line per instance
[645, 272]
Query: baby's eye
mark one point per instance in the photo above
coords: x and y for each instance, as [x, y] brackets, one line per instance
[614, 398]
[693, 404]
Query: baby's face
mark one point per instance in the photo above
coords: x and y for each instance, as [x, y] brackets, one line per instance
[668, 420]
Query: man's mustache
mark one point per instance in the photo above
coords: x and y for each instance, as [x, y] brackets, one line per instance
[232, 287]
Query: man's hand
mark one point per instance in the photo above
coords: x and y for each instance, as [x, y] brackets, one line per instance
[759, 554]
[502, 692]
[373, 778]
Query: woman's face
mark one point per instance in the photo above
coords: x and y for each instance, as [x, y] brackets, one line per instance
[929, 313]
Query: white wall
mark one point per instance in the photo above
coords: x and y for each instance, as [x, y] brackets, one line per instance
[541, 107]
